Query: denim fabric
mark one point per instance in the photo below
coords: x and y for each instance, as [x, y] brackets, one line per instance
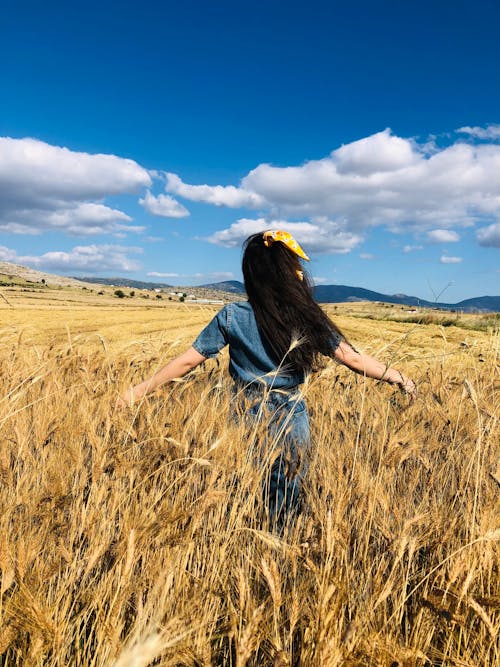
[250, 360]
[286, 449]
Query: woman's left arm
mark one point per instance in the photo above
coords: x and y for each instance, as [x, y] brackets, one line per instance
[373, 368]
[176, 368]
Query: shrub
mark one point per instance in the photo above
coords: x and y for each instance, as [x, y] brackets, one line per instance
[120, 293]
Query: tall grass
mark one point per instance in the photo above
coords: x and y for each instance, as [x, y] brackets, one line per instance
[137, 538]
[489, 322]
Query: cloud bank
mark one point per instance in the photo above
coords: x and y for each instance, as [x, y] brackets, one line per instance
[50, 188]
[91, 259]
[324, 236]
[379, 181]
[488, 132]
[330, 204]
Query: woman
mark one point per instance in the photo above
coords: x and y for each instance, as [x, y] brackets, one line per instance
[275, 339]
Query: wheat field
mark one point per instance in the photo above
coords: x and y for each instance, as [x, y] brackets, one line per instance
[134, 538]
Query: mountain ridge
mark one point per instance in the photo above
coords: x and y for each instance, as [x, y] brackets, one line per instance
[347, 293]
[323, 293]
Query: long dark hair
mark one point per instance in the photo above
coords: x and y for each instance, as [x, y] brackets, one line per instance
[284, 306]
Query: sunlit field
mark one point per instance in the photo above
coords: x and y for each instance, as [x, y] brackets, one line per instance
[138, 537]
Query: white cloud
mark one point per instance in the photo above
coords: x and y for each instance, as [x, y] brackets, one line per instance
[83, 219]
[412, 248]
[90, 259]
[239, 231]
[442, 236]
[319, 280]
[367, 255]
[382, 152]
[7, 255]
[220, 195]
[489, 236]
[488, 132]
[379, 181]
[163, 206]
[324, 236]
[159, 274]
[450, 260]
[44, 187]
[417, 193]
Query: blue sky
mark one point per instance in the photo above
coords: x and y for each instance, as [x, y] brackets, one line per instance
[149, 139]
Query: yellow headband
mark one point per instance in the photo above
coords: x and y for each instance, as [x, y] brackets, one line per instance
[287, 239]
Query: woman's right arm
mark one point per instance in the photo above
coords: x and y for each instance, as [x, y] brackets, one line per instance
[209, 342]
[373, 368]
[176, 368]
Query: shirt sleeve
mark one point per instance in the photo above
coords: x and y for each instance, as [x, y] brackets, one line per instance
[214, 336]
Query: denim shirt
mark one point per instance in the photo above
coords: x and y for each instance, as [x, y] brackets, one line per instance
[250, 359]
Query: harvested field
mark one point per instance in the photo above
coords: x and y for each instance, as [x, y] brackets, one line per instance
[138, 538]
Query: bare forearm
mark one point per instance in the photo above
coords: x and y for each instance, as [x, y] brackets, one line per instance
[176, 368]
[372, 368]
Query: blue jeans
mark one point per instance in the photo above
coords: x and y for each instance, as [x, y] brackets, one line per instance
[287, 446]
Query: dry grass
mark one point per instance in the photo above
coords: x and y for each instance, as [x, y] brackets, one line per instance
[137, 539]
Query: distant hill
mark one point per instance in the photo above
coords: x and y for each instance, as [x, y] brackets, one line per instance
[323, 293]
[346, 293]
[9, 269]
[329, 294]
[126, 282]
[490, 303]
[227, 286]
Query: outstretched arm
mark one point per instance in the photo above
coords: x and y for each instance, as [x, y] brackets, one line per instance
[373, 368]
[176, 368]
